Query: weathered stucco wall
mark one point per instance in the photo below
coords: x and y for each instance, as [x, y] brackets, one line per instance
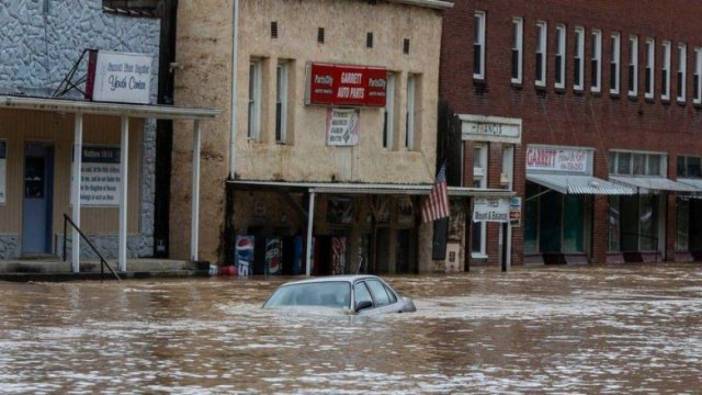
[204, 79]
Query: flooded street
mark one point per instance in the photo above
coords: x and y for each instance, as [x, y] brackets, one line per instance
[567, 330]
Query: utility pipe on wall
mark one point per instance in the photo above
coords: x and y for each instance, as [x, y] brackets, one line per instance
[233, 105]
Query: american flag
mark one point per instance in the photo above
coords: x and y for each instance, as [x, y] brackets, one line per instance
[437, 205]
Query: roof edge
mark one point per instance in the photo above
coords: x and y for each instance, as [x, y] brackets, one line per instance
[434, 4]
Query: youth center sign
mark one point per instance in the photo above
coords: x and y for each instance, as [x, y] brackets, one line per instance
[558, 159]
[344, 85]
[119, 77]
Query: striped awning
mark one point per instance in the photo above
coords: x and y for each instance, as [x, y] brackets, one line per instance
[579, 185]
[647, 184]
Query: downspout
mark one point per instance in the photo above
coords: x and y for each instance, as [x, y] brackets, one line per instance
[229, 236]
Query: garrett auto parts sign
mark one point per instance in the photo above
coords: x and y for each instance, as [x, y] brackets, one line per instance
[342, 85]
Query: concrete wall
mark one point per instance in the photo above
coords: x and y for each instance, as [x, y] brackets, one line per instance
[204, 79]
[41, 40]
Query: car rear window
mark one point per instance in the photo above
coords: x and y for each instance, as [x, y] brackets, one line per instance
[379, 294]
[336, 294]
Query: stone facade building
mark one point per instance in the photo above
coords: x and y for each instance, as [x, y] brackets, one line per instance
[608, 94]
[41, 41]
[275, 149]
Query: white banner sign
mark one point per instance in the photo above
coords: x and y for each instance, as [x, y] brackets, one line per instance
[342, 127]
[3, 170]
[491, 210]
[557, 159]
[100, 177]
[488, 128]
[120, 77]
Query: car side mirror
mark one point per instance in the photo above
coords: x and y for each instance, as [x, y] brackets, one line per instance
[363, 305]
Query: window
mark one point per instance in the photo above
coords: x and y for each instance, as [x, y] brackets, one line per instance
[682, 237]
[697, 82]
[689, 167]
[633, 66]
[636, 164]
[479, 229]
[406, 46]
[380, 296]
[682, 73]
[361, 293]
[579, 59]
[650, 67]
[596, 62]
[320, 35]
[479, 45]
[389, 113]
[281, 103]
[559, 66]
[274, 29]
[665, 72]
[410, 121]
[507, 166]
[369, 40]
[517, 49]
[541, 49]
[254, 126]
[614, 64]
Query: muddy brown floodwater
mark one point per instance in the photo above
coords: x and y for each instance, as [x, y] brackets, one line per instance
[566, 330]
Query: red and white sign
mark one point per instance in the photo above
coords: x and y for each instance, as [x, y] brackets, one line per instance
[557, 159]
[341, 85]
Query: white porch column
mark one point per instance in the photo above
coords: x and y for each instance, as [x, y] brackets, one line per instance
[123, 193]
[310, 228]
[195, 218]
[75, 190]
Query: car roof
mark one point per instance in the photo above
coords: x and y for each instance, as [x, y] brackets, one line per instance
[346, 278]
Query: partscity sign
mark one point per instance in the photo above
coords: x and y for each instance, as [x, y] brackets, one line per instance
[119, 77]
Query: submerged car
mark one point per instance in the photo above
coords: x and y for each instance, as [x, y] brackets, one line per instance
[359, 294]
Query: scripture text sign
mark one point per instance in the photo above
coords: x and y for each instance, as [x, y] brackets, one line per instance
[100, 176]
[341, 85]
[120, 77]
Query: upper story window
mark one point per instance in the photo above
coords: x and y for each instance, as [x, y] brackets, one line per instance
[389, 113]
[689, 167]
[254, 110]
[579, 59]
[517, 49]
[541, 50]
[697, 81]
[665, 72]
[650, 68]
[411, 114]
[596, 62]
[682, 73]
[479, 45]
[614, 64]
[559, 66]
[626, 163]
[281, 103]
[633, 66]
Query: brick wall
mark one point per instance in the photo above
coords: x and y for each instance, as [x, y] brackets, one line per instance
[566, 117]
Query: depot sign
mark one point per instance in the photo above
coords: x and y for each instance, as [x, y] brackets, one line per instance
[343, 85]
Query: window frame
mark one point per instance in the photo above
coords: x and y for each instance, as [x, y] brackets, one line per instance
[596, 58]
[614, 156]
[254, 108]
[559, 72]
[480, 31]
[518, 47]
[681, 77]
[615, 64]
[633, 66]
[579, 59]
[411, 111]
[650, 78]
[389, 112]
[542, 49]
[281, 99]
[665, 70]
[697, 77]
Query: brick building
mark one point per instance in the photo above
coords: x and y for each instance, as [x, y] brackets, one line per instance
[608, 97]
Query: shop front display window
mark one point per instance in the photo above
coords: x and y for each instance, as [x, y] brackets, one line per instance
[553, 222]
[682, 237]
[633, 223]
[573, 229]
[648, 220]
[531, 218]
[614, 224]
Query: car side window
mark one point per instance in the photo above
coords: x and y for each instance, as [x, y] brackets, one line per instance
[361, 292]
[391, 295]
[379, 295]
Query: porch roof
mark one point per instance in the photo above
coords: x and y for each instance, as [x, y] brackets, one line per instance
[156, 111]
[368, 188]
[646, 184]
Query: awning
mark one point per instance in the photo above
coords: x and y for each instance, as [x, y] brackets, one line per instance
[367, 188]
[645, 184]
[579, 185]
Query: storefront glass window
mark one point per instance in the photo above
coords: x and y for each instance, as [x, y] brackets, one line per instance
[648, 220]
[573, 225]
[531, 218]
[614, 224]
[683, 222]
